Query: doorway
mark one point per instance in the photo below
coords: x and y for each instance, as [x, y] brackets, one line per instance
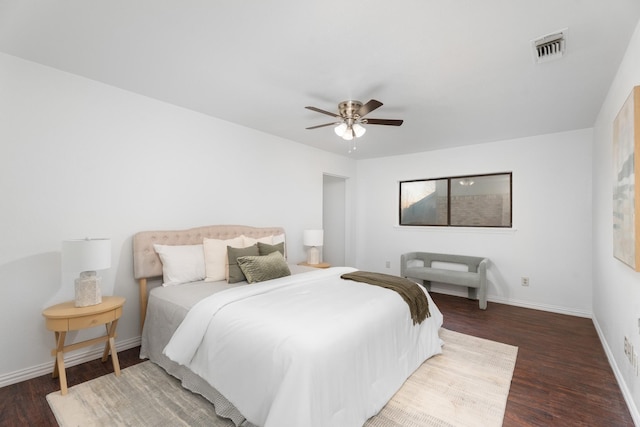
[334, 219]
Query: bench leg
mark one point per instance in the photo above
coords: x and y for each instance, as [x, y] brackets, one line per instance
[480, 296]
[483, 298]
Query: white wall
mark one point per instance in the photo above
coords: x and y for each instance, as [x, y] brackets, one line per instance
[82, 159]
[616, 290]
[551, 216]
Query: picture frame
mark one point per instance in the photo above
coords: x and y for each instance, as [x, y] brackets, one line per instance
[626, 182]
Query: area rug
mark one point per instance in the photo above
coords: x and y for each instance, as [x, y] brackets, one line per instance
[467, 385]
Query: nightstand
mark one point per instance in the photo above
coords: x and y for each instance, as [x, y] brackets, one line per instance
[321, 265]
[65, 317]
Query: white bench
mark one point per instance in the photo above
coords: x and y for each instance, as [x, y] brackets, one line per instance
[418, 265]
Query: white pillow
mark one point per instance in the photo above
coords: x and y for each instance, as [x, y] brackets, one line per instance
[215, 256]
[181, 263]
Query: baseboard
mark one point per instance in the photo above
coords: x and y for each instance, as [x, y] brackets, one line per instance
[518, 303]
[628, 398]
[70, 360]
[544, 307]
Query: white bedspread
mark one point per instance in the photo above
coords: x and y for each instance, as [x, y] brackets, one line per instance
[305, 350]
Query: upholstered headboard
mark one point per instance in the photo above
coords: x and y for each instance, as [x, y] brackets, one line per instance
[147, 264]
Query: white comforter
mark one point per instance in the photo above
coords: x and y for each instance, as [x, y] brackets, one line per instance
[305, 350]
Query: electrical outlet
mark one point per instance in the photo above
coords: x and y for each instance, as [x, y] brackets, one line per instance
[387, 264]
[626, 347]
[630, 352]
[524, 281]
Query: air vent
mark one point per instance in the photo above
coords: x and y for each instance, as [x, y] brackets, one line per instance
[549, 47]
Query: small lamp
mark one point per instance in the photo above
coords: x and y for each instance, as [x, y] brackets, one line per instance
[313, 238]
[86, 256]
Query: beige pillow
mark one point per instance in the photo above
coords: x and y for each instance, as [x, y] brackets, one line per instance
[250, 241]
[215, 256]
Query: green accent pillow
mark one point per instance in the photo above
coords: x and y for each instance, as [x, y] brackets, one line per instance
[235, 273]
[266, 267]
[266, 249]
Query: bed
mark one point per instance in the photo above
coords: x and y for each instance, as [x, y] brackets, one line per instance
[305, 349]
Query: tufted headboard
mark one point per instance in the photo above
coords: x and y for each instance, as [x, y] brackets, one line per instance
[147, 264]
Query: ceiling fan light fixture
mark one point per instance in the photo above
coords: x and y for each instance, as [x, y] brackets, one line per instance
[349, 134]
[359, 130]
[351, 118]
[340, 129]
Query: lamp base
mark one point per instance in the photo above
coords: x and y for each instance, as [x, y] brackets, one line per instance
[313, 256]
[88, 289]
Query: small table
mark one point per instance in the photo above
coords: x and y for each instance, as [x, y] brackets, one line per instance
[321, 265]
[65, 317]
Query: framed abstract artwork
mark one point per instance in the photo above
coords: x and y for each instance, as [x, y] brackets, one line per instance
[626, 182]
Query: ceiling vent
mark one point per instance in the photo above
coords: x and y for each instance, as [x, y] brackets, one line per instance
[549, 47]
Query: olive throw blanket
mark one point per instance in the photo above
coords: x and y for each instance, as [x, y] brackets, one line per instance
[410, 291]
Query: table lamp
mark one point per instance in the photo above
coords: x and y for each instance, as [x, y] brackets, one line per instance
[313, 238]
[85, 256]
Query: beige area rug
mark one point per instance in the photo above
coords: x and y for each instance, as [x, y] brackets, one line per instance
[467, 385]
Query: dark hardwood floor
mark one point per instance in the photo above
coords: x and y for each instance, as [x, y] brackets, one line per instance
[562, 376]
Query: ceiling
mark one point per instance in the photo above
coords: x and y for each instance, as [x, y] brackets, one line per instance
[458, 72]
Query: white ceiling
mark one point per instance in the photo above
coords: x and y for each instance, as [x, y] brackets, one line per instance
[457, 71]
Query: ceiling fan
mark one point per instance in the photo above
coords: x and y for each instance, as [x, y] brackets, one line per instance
[351, 118]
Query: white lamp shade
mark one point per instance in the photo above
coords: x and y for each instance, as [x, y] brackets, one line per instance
[359, 130]
[86, 255]
[312, 237]
[340, 129]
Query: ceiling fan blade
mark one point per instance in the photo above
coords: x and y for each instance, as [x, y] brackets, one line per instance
[369, 107]
[387, 122]
[326, 124]
[322, 111]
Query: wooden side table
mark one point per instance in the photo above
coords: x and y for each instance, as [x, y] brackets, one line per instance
[321, 265]
[65, 317]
